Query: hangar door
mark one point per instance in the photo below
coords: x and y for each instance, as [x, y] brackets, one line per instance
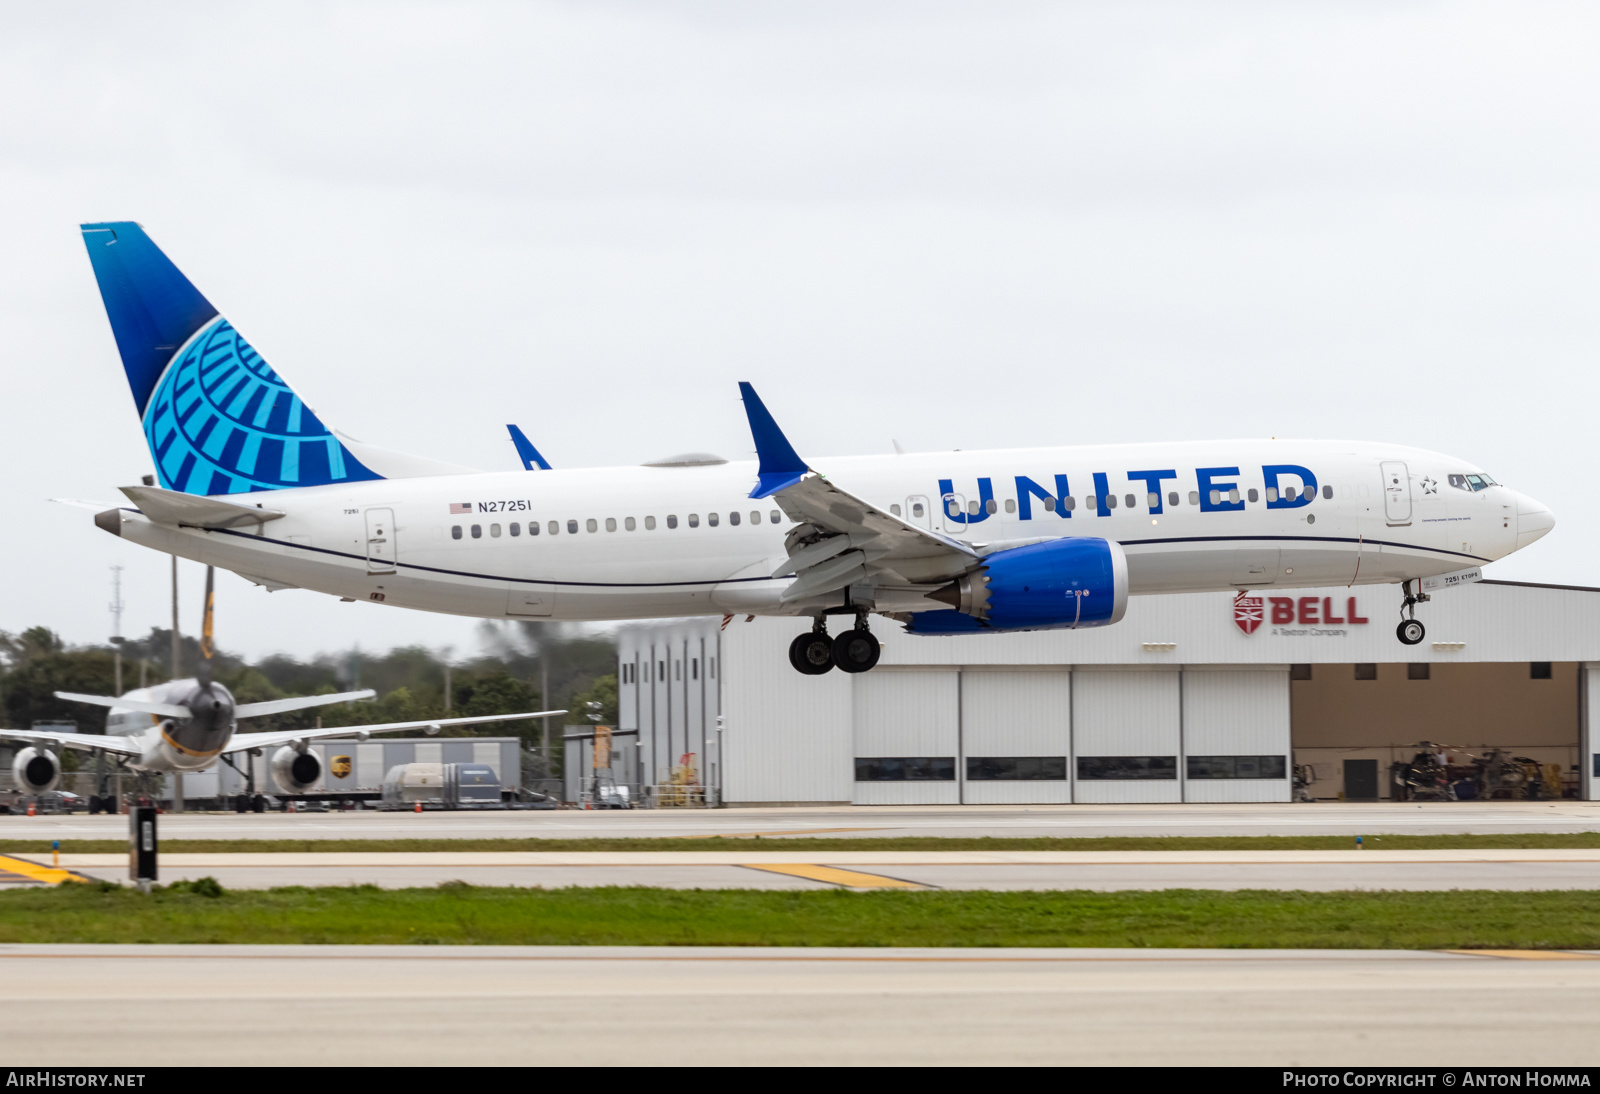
[1016, 737]
[1236, 735]
[1125, 745]
[906, 728]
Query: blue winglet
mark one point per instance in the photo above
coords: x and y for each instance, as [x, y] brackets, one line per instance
[530, 455]
[781, 465]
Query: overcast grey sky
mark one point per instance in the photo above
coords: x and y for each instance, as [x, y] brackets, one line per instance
[958, 225]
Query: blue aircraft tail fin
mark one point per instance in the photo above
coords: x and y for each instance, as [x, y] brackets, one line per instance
[217, 418]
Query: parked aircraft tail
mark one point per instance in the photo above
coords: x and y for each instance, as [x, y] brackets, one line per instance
[217, 418]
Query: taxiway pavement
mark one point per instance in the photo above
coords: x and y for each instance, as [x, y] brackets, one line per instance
[769, 867]
[1193, 819]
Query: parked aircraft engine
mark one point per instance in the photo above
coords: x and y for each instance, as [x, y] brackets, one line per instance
[36, 769]
[295, 772]
[1065, 583]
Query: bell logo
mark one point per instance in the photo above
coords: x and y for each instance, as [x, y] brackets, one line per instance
[1316, 614]
[1248, 611]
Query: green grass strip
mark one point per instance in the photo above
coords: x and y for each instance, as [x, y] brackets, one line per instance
[455, 913]
[804, 843]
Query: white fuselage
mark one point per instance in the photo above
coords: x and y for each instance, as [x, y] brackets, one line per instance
[634, 542]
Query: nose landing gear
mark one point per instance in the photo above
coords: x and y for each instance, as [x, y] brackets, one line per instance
[1411, 631]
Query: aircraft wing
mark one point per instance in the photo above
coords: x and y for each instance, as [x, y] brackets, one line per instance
[244, 741]
[115, 744]
[841, 539]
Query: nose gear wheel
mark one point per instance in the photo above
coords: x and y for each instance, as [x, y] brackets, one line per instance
[1411, 632]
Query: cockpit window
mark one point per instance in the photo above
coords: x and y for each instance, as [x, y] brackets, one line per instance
[1471, 482]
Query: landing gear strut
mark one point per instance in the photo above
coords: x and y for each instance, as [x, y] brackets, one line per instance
[1411, 631]
[812, 653]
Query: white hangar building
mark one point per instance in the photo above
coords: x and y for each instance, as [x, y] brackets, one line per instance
[1191, 698]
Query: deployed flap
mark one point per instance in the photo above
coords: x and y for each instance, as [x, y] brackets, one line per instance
[243, 741]
[116, 745]
[886, 541]
[193, 511]
[874, 540]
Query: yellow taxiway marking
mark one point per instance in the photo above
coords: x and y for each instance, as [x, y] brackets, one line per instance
[787, 832]
[49, 875]
[1531, 955]
[852, 879]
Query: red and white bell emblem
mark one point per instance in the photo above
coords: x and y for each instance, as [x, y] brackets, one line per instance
[1248, 611]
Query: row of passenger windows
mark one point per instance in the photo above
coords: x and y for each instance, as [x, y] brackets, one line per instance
[629, 524]
[630, 672]
[1153, 500]
[1054, 768]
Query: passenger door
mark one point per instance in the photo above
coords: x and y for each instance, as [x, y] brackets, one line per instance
[952, 510]
[380, 541]
[1396, 493]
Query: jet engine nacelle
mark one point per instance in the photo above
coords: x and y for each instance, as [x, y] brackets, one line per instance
[295, 772]
[1065, 583]
[37, 770]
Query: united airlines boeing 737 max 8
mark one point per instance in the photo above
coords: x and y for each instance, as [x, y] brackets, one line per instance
[945, 543]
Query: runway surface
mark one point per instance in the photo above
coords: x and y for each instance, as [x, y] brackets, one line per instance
[1322, 818]
[429, 1006]
[770, 868]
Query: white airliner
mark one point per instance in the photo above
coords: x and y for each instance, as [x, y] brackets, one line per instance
[945, 543]
[189, 725]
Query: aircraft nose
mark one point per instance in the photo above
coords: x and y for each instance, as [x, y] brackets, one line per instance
[1534, 520]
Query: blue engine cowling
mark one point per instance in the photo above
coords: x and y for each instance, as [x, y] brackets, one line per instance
[1065, 583]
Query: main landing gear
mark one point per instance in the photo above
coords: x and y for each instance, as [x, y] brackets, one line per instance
[854, 650]
[1411, 631]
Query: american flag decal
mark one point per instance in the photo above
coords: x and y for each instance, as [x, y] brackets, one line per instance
[1248, 612]
[457, 508]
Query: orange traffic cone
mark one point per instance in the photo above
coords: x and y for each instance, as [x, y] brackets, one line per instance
[30, 809]
[418, 808]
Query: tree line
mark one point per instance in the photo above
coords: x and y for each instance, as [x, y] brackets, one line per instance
[504, 678]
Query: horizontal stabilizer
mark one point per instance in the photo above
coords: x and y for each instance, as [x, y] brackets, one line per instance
[283, 706]
[193, 511]
[164, 710]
